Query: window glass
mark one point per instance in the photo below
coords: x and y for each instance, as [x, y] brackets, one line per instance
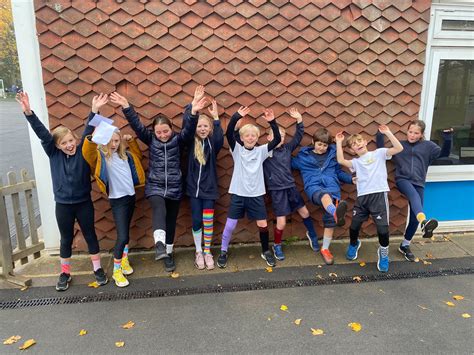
[454, 108]
[457, 25]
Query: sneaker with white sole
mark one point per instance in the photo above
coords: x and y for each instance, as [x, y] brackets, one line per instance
[63, 282]
[278, 252]
[126, 268]
[313, 242]
[222, 259]
[428, 226]
[119, 278]
[383, 261]
[209, 261]
[101, 277]
[268, 257]
[199, 261]
[352, 251]
[406, 252]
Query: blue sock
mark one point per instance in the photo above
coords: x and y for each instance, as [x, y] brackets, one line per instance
[308, 222]
[331, 209]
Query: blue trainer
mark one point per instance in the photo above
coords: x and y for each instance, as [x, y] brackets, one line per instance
[278, 252]
[383, 261]
[313, 242]
[352, 250]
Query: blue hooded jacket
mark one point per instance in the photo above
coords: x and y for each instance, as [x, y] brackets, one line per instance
[315, 179]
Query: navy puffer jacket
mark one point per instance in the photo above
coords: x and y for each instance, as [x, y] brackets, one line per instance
[164, 176]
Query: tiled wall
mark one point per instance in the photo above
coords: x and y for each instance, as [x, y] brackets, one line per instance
[347, 65]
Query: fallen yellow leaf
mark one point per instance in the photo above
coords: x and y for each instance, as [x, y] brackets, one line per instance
[450, 304]
[317, 331]
[284, 308]
[357, 279]
[417, 260]
[429, 255]
[251, 256]
[362, 264]
[424, 308]
[466, 315]
[93, 284]
[319, 277]
[427, 262]
[356, 327]
[298, 321]
[269, 269]
[128, 325]
[12, 340]
[27, 344]
[119, 344]
[320, 266]
[174, 275]
[24, 288]
[82, 332]
[458, 297]
[332, 274]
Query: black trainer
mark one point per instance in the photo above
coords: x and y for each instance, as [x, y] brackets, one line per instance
[170, 266]
[222, 260]
[405, 250]
[63, 282]
[340, 213]
[101, 277]
[160, 251]
[269, 258]
[428, 226]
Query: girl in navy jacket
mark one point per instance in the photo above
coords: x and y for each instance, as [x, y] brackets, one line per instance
[201, 181]
[411, 166]
[71, 187]
[163, 186]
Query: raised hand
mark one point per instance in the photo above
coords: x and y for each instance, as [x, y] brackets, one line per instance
[213, 110]
[339, 137]
[268, 115]
[295, 114]
[199, 105]
[127, 137]
[23, 99]
[384, 129]
[198, 95]
[118, 99]
[98, 101]
[243, 110]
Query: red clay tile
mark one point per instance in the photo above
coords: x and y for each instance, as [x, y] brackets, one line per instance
[297, 67]
[298, 45]
[379, 46]
[235, 43]
[400, 25]
[366, 78]
[359, 46]
[376, 67]
[317, 89]
[110, 29]
[381, 24]
[392, 109]
[309, 34]
[288, 56]
[79, 88]
[361, 24]
[168, 19]
[415, 68]
[328, 56]
[46, 15]
[406, 57]
[158, 77]
[337, 67]
[356, 12]
[327, 78]
[122, 41]
[60, 27]
[52, 64]
[384, 99]
[236, 21]
[367, 57]
[373, 109]
[202, 31]
[335, 109]
[319, 45]
[224, 55]
[88, 52]
[148, 66]
[417, 47]
[326, 99]
[192, 66]
[224, 32]
[371, 13]
[395, 68]
[289, 12]
[278, 22]
[268, 10]
[97, 17]
[89, 76]
[145, 41]
[102, 86]
[112, 76]
[49, 39]
[63, 51]
[68, 99]
[124, 65]
[398, 47]
[85, 28]
[317, 67]
[336, 88]
[387, 57]
[71, 15]
[98, 41]
[348, 57]
[370, 35]
[225, 10]
[411, 108]
[420, 26]
[384, 78]
[330, 12]
[357, 67]
[355, 88]
[393, 89]
[346, 99]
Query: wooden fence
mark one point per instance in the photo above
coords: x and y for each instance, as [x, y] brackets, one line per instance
[27, 245]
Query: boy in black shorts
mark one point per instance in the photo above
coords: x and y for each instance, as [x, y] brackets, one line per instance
[372, 190]
[280, 182]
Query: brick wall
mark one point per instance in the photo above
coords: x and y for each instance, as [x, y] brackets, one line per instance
[347, 65]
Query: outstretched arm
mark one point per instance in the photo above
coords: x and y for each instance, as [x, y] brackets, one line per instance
[217, 137]
[37, 126]
[296, 140]
[447, 143]
[379, 140]
[342, 176]
[340, 153]
[241, 112]
[97, 102]
[144, 134]
[270, 118]
[397, 146]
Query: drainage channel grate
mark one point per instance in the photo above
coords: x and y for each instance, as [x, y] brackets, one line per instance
[253, 286]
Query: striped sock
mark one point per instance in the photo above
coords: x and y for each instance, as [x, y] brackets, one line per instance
[125, 252]
[331, 209]
[208, 222]
[197, 236]
[95, 261]
[117, 264]
[66, 266]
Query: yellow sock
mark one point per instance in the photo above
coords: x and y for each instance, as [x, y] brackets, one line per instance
[420, 217]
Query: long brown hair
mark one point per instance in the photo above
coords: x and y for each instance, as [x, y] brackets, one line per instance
[199, 143]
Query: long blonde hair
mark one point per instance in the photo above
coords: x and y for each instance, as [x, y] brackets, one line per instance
[199, 143]
[120, 150]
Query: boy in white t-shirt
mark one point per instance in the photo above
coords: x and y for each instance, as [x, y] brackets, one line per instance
[372, 190]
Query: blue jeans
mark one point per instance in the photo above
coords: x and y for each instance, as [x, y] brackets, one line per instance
[122, 210]
[197, 206]
[414, 194]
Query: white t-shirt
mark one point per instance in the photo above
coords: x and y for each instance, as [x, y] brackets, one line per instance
[120, 177]
[247, 178]
[371, 172]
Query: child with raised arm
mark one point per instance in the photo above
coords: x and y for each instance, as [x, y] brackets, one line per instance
[117, 172]
[71, 187]
[247, 186]
[322, 178]
[372, 190]
[411, 166]
[201, 181]
[279, 180]
[163, 186]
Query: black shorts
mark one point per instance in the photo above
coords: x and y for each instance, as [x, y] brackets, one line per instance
[285, 202]
[254, 206]
[375, 204]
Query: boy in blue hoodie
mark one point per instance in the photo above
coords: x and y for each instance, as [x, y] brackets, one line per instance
[286, 199]
[322, 176]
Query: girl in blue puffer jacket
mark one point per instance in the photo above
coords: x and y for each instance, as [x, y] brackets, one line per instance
[163, 186]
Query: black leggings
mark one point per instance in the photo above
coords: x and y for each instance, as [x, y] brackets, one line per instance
[122, 210]
[66, 215]
[164, 214]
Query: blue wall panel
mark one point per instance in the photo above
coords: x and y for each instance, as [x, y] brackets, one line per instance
[449, 201]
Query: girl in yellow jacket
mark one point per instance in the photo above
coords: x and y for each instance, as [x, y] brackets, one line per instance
[117, 172]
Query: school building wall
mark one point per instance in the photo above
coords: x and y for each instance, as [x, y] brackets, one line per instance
[347, 65]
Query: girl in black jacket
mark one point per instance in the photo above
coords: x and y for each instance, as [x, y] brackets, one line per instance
[201, 181]
[163, 186]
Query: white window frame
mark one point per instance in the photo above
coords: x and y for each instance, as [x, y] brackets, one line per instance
[444, 45]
